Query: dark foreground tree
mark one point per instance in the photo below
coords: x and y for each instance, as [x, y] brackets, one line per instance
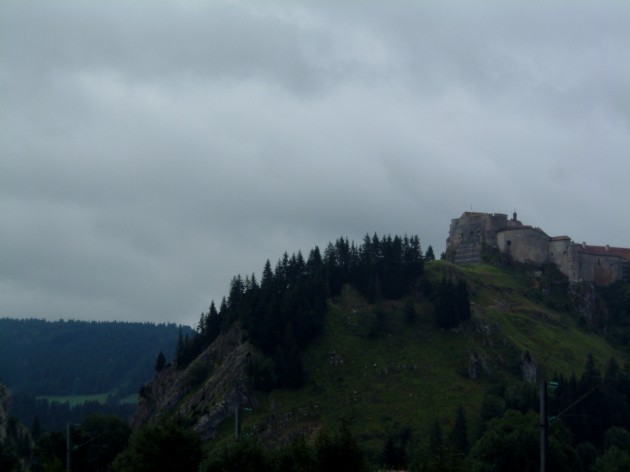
[98, 441]
[511, 442]
[162, 448]
[246, 455]
[613, 460]
[49, 453]
[299, 456]
[340, 452]
[458, 438]
[331, 452]
[8, 459]
[395, 450]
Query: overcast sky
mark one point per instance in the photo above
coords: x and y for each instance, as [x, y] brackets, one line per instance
[150, 151]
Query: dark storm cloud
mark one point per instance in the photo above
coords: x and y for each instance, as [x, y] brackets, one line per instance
[149, 152]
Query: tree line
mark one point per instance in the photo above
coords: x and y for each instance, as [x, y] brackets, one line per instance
[74, 357]
[590, 434]
[284, 311]
[42, 415]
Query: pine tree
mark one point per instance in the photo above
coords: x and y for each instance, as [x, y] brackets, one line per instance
[429, 256]
[267, 277]
[36, 428]
[179, 350]
[160, 362]
[435, 438]
[446, 306]
[459, 435]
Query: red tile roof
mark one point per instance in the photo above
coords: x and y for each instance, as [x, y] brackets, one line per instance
[605, 251]
[514, 228]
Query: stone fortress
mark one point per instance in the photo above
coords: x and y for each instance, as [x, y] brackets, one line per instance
[473, 231]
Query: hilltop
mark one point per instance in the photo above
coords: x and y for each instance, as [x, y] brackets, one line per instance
[383, 365]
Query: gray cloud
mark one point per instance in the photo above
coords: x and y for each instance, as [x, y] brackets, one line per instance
[151, 152]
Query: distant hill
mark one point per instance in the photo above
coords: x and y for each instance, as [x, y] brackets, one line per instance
[71, 358]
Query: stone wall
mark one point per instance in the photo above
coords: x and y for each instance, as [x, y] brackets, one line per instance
[579, 262]
[524, 244]
[468, 233]
[475, 227]
[562, 256]
[602, 270]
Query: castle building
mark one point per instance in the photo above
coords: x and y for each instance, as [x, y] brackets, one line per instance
[472, 231]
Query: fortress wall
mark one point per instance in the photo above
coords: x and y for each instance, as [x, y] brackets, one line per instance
[475, 228]
[599, 269]
[524, 244]
[579, 262]
[563, 257]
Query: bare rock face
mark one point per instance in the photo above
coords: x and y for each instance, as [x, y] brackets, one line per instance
[477, 366]
[529, 368]
[206, 392]
[588, 306]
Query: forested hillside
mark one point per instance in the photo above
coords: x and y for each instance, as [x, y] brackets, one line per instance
[285, 312]
[63, 371]
[376, 356]
[424, 364]
[64, 358]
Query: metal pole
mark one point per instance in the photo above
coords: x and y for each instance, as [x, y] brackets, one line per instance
[543, 426]
[68, 447]
[237, 422]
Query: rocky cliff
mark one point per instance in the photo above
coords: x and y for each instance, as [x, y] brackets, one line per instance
[206, 391]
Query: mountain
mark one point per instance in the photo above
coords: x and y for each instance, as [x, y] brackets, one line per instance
[71, 358]
[64, 371]
[385, 366]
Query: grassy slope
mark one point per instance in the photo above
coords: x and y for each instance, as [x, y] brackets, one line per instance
[412, 375]
[74, 400]
[554, 338]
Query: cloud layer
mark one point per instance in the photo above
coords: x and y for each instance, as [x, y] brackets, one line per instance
[149, 152]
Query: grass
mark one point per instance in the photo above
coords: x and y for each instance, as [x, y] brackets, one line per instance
[129, 399]
[74, 400]
[404, 376]
[554, 338]
[380, 376]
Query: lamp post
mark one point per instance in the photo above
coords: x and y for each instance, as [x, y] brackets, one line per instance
[237, 420]
[543, 426]
[68, 447]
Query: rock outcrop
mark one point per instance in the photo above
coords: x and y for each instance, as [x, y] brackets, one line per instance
[206, 392]
[477, 366]
[529, 368]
